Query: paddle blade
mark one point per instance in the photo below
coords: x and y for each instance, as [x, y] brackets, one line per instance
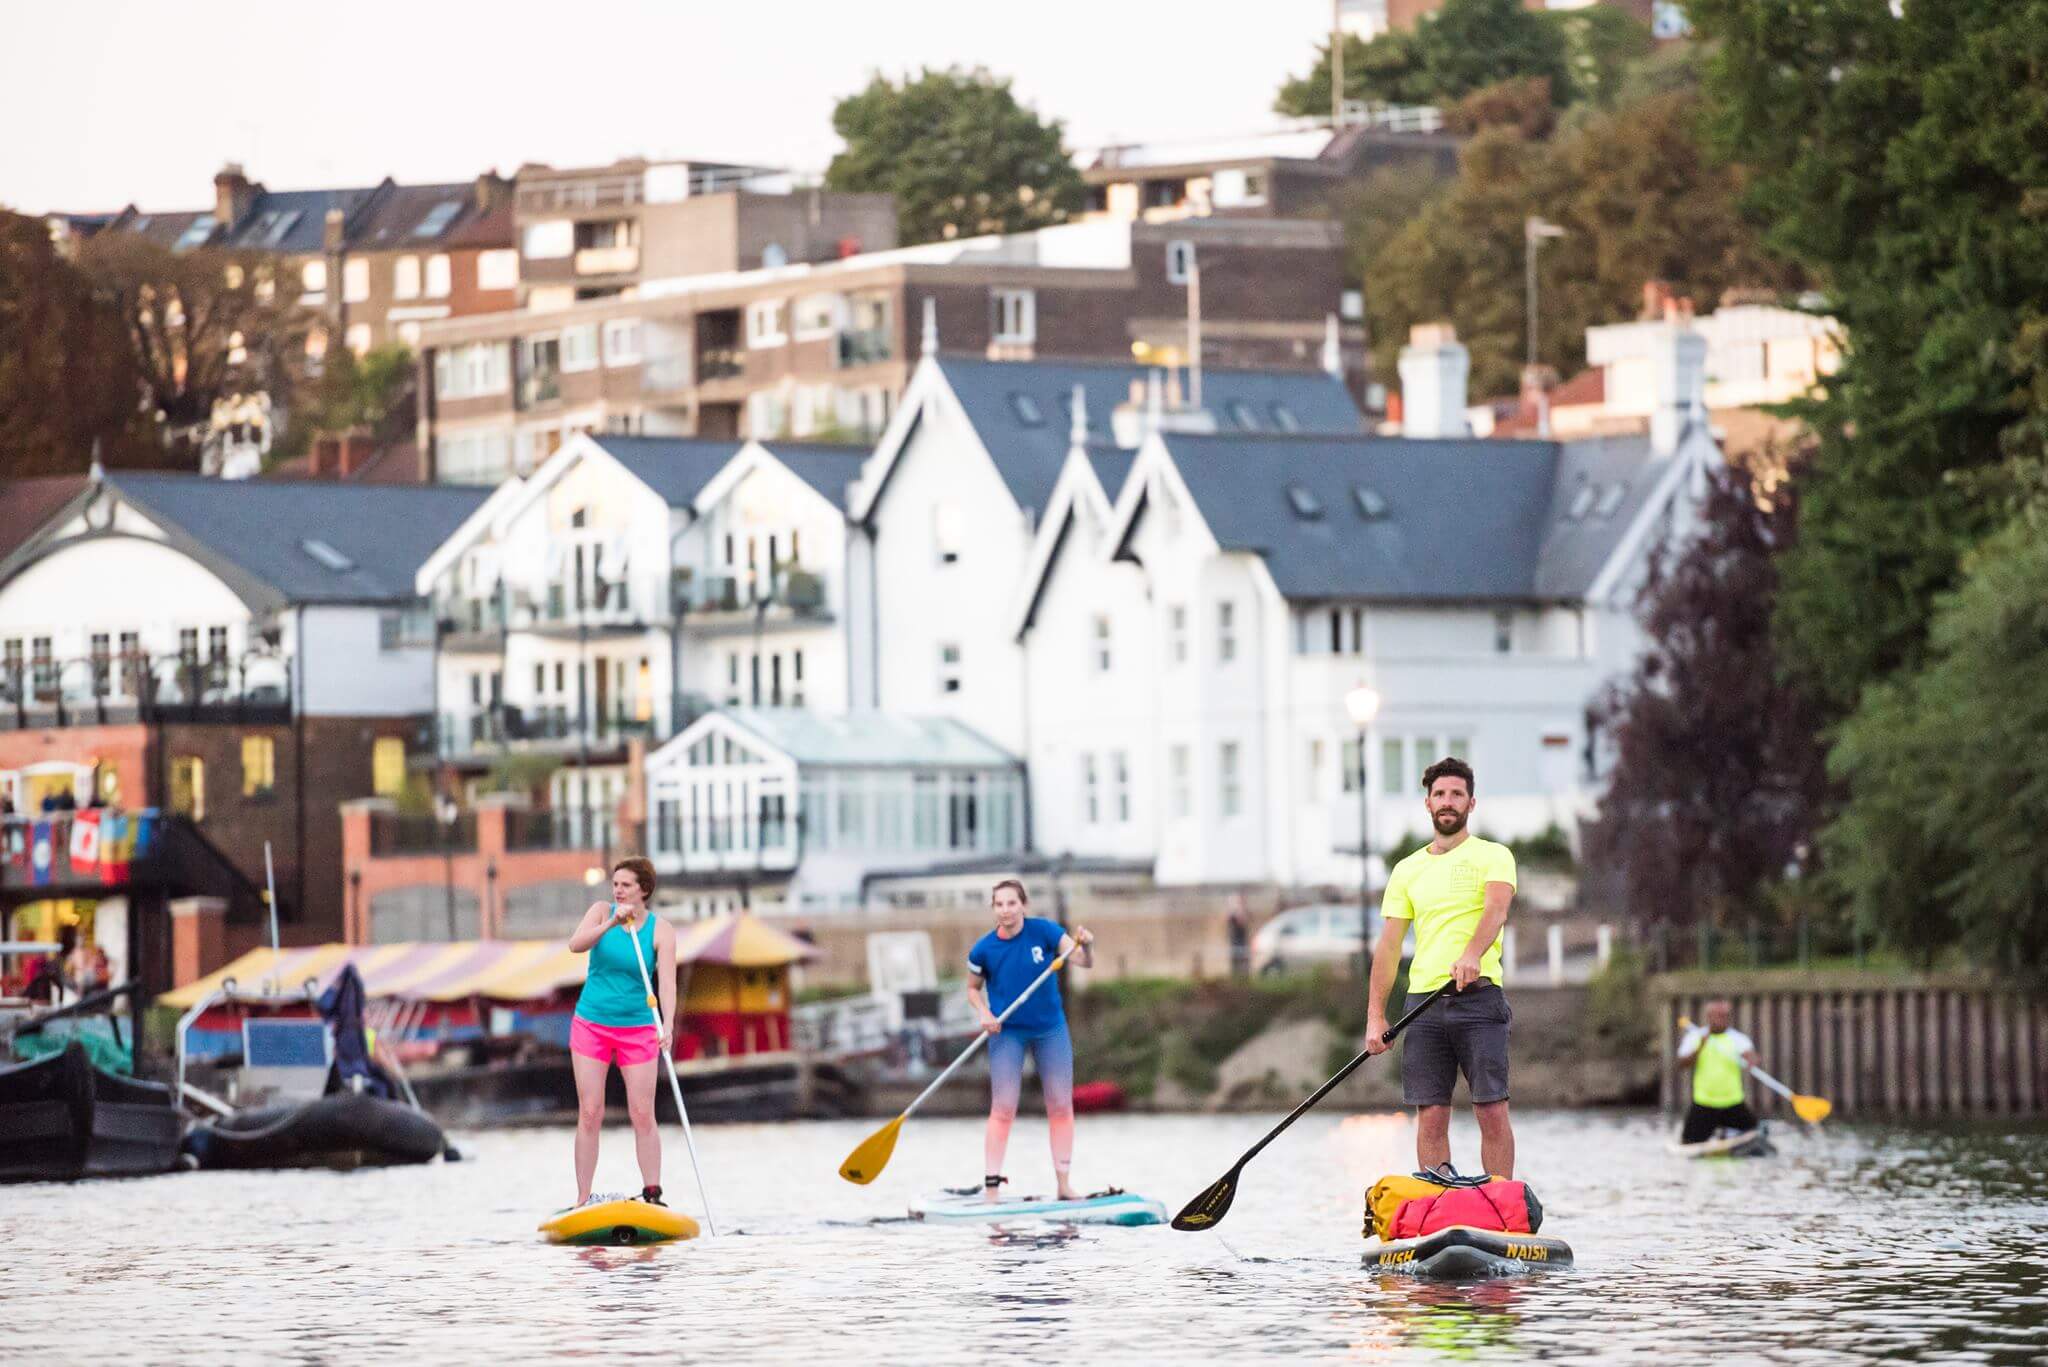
[1207, 1210]
[868, 1159]
[1812, 1109]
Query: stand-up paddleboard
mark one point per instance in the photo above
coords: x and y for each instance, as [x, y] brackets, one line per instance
[622, 1220]
[963, 1205]
[1749, 1144]
[1462, 1253]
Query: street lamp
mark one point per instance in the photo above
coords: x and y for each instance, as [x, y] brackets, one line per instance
[1534, 230]
[1363, 704]
[447, 813]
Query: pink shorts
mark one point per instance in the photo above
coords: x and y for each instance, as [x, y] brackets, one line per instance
[621, 1044]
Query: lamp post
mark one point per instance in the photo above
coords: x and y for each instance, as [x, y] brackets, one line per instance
[446, 813]
[1363, 704]
[1534, 230]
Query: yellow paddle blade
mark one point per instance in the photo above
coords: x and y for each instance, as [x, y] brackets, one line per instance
[871, 1155]
[1812, 1109]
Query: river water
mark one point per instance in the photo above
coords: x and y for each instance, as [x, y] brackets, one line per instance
[1862, 1244]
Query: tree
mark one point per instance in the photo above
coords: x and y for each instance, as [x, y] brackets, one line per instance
[1719, 774]
[1604, 46]
[1639, 198]
[202, 326]
[1898, 157]
[1465, 46]
[1947, 772]
[959, 153]
[67, 381]
[1522, 105]
[374, 392]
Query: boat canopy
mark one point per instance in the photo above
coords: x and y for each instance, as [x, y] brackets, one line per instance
[499, 970]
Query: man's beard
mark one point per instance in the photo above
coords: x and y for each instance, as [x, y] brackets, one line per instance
[1454, 817]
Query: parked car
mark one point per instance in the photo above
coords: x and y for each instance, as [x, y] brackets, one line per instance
[1306, 937]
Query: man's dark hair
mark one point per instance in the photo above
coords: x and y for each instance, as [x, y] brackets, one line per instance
[1449, 767]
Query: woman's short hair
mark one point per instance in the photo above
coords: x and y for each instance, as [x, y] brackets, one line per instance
[642, 871]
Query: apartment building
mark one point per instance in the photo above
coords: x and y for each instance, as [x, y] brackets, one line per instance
[1368, 19]
[602, 232]
[823, 349]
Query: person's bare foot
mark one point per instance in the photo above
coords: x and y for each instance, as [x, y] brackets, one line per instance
[992, 1192]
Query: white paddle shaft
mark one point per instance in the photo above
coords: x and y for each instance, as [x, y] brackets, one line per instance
[982, 1038]
[1780, 1088]
[668, 1059]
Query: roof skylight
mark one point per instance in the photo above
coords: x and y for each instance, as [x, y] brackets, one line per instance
[1371, 505]
[1026, 408]
[1610, 499]
[327, 555]
[1304, 501]
[438, 218]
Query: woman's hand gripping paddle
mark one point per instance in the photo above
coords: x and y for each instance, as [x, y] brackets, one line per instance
[1207, 1210]
[871, 1155]
[1810, 1109]
[668, 1058]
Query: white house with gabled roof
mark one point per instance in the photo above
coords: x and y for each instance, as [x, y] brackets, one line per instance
[1190, 653]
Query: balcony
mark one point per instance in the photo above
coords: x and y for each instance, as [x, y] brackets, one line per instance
[468, 622]
[719, 363]
[564, 605]
[402, 833]
[539, 387]
[788, 595]
[864, 347]
[550, 727]
[101, 689]
[607, 260]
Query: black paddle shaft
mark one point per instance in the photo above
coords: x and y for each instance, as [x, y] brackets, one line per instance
[1208, 1209]
[1346, 1071]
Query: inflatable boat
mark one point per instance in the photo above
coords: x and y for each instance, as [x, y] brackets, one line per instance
[345, 1130]
[1462, 1252]
[620, 1220]
[1113, 1207]
[62, 1119]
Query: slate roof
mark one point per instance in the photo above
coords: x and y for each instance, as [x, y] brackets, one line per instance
[293, 222]
[1112, 466]
[826, 466]
[414, 216]
[1457, 520]
[26, 504]
[1020, 408]
[256, 533]
[677, 468]
[870, 739]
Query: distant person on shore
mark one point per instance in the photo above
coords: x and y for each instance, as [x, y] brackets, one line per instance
[1456, 890]
[1718, 1056]
[614, 1023]
[1001, 966]
[1240, 930]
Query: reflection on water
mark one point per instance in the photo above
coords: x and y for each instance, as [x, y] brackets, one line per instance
[1861, 1245]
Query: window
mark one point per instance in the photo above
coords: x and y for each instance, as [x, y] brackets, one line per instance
[1303, 500]
[1027, 410]
[1352, 750]
[217, 645]
[1177, 633]
[355, 280]
[1099, 650]
[314, 277]
[622, 342]
[1241, 414]
[438, 281]
[963, 813]
[405, 628]
[405, 278]
[1372, 506]
[1393, 781]
[1179, 763]
[1226, 632]
[497, 270]
[387, 766]
[1312, 773]
[1459, 747]
[1610, 500]
[188, 787]
[1229, 790]
[464, 372]
[1091, 790]
[949, 669]
[102, 671]
[1016, 315]
[579, 347]
[473, 457]
[947, 530]
[764, 323]
[259, 766]
[1180, 261]
[357, 338]
[767, 413]
[1120, 780]
[1283, 418]
[924, 812]
[818, 315]
[1503, 632]
[551, 240]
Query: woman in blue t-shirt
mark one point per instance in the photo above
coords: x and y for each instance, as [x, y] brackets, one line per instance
[1001, 966]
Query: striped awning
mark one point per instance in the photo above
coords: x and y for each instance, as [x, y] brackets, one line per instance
[502, 970]
[743, 941]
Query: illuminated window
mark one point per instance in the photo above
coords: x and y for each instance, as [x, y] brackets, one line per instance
[387, 766]
[259, 766]
[188, 787]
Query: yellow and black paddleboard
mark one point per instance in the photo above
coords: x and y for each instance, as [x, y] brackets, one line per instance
[622, 1221]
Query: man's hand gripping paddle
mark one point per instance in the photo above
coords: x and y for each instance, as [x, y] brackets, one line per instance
[1207, 1210]
[868, 1159]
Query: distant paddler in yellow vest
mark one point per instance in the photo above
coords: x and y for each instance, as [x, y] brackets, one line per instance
[1717, 1055]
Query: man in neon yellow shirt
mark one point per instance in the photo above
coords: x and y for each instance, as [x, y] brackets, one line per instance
[1719, 1058]
[1456, 890]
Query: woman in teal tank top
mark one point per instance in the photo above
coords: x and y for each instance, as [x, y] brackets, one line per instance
[615, 1023]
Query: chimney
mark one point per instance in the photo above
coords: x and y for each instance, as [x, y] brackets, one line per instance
[1537, 382]
[1678, 361]
[330, 240]
[1656, 299]
[356, 450]
[233, 195]
[492, 192]
[1434, 367]
[326, 457]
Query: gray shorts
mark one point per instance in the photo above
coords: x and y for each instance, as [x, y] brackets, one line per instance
[1465, 1032]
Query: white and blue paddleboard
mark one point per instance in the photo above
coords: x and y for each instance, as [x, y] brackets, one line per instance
[964, 1205]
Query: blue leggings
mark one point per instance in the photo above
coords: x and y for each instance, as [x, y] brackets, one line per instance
[1055, 1055]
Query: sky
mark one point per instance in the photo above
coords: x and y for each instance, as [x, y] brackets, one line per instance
[141, 101]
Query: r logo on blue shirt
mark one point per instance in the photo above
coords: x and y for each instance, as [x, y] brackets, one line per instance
[1007, 967]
